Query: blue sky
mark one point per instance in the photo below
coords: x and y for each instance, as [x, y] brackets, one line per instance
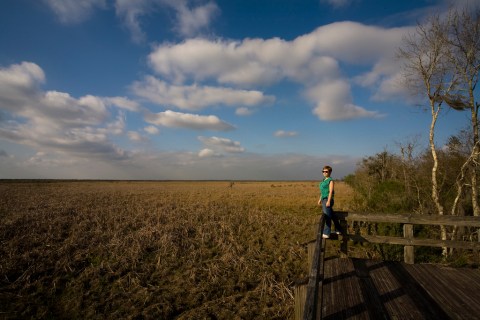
[194, 89]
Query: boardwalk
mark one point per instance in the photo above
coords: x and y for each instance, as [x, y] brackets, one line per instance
[366, 289]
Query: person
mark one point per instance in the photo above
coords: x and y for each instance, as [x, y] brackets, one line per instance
[327, 192]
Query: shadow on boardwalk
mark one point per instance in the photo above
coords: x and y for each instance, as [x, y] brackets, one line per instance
[366, 289]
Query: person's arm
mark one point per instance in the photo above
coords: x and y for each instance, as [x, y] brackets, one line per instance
[330, 192]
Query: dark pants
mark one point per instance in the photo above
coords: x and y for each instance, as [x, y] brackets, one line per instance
[329, 216]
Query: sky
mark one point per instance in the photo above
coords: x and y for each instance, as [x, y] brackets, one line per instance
[206, 89]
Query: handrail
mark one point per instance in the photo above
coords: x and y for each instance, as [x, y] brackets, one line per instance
[315, 279]
[314, 291]
[411, 218]
[408, 240]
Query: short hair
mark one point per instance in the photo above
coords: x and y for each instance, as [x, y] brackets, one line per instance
[328, 168]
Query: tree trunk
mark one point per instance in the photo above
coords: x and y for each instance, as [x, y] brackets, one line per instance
[474, 109]
[435, 192]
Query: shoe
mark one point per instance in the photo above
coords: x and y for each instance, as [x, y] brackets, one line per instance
[325, 236]
[338, 233]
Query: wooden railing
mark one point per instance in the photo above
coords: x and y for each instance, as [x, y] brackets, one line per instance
[308, 298]
[315, 279]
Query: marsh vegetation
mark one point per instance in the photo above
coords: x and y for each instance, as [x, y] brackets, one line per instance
[154, 250]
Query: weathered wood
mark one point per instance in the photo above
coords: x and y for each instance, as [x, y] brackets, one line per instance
[368, 289]
[385, 290]
[408, 251]
[416, 242]
[314, 281]
[430, 219]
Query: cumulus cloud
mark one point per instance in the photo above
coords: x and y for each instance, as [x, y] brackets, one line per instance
[217, 145]
[191, 16]
[123, 103]
[242, 111]
[19, 83]
[312, 60]
[196, 97]
[283, 133]
[187, 120]
[151, 129]
[334, 102]
[208, 153]
[74, 11]
[55, 121]
[190, 19]
[136, 136]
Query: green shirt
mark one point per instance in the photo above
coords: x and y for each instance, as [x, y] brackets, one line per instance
[325, 187]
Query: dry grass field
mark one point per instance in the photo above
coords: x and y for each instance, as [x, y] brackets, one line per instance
[154, 250]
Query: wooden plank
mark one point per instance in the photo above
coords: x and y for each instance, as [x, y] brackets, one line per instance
[311, 301]
[430, 219]
[341, 290]
[397, 304]
[364, 289]
[416, 242]
[457, 291]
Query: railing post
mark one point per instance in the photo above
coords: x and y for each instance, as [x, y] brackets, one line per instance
[408, 251]
[344, 243]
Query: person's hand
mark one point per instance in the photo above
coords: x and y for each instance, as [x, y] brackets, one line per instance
[319, 202]
[328, 203]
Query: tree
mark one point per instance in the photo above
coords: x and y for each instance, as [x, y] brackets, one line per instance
[425, 57]
[463, 42]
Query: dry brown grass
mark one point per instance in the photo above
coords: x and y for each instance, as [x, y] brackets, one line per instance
[154, 250]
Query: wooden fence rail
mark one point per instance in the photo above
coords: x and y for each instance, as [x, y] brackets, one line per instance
[308, 298]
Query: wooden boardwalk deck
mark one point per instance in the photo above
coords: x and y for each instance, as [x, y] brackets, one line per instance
[366, 289]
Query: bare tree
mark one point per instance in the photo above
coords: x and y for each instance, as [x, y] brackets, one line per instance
[407, 150]
[426, 72]
[463, 41]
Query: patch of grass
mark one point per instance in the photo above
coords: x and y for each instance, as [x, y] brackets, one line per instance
[109, 250]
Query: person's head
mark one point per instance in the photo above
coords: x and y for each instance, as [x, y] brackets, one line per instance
[327, 171]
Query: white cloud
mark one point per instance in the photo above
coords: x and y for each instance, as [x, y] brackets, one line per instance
[186, 120]
[283, 134]
[55, 121]
[208, 153]
[135, 136]
[151, 129]
[74, 11]
[131, 12]
[221, 145]
[191, 16]
[178, 166]
[195, 97]
[19, 83]
[242, 111]
[123, 103]
[190, 19]
[334, 102]
[313, 60]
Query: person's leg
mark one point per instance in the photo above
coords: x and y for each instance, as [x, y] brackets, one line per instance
[327, 211]
[334, 217]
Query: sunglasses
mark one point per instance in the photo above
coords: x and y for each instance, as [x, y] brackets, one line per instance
[325, 171]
